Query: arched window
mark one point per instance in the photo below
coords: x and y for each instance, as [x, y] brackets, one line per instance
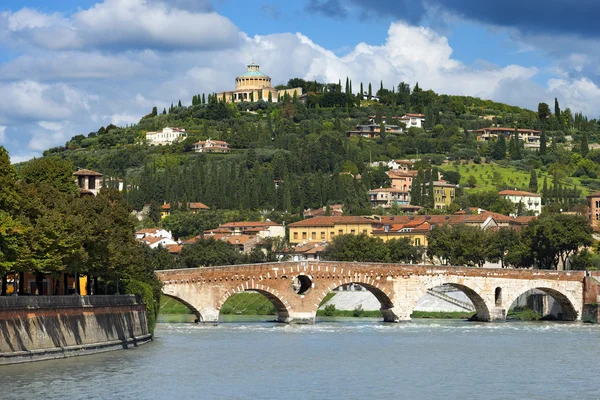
[498, 297]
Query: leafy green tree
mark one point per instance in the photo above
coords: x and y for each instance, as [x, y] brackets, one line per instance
[209, 252]
[543, 111]
[360, 248]
[403, 251]
[499, 243]
[50, 171]
[460, 244]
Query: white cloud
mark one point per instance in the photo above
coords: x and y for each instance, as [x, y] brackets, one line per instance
[2, 134]
[124, 24]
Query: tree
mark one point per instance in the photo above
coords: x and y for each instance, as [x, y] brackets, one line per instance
[361, 248]
[209, 252]
[515, 147]
[370, 95]
[533, 183]
[179, 104]
[500, 148]
[50, 171]
[459, 244]
[584, 145]
[557, 237]
[362, 92]
[472, 181]
[402, 250]
[543, 143]
[543, 111]
[416, 189]
[270, 97]
[556, 108]
[499, 243]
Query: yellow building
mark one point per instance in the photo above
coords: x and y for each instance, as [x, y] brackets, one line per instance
[320, 229]
[443, 194]
[253, 85]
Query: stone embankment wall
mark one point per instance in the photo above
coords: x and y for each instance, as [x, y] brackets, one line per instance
[36, 328]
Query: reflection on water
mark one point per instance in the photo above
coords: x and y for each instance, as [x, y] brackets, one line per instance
[246, 358]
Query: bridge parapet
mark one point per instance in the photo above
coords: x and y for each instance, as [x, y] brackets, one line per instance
[297, 288]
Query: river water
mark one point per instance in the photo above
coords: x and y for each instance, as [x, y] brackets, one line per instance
[343, 359]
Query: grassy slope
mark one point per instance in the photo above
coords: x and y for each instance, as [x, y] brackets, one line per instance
[484, 173]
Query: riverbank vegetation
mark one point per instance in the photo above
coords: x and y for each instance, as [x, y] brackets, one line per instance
[48, 229]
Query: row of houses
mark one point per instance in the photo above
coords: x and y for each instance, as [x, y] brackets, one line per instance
[529, 137]
[373, 130]
[169, 136]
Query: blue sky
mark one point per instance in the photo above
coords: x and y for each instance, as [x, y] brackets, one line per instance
[68, 67]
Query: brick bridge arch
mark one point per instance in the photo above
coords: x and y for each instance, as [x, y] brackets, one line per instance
[397, 287]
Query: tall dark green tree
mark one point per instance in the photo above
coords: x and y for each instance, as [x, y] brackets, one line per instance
[585, 149]
[533, 183]
[556, 108]
[500, 148]
[543, 143]
[515, 146]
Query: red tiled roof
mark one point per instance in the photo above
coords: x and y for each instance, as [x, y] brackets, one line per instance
[502, 129]
[248, 224]
[517, 193]
[331, 221]
[238, 239]
[415, 115]
[86, 172]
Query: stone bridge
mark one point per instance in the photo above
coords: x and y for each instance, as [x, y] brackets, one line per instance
[297, 288]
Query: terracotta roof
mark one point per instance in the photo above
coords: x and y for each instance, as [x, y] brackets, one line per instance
[443, 184]
[394, 173]
[174, 248]
[597, 194]
[248, 224]
[147, 230]
[151, 240]
[197, 205]
[309, 248]
[404, 162]
[517, 193]
[218, 142]
[331, 221]
[391, 190]
[502, 129]
[86, 172]
[415, 115]
[238, 239]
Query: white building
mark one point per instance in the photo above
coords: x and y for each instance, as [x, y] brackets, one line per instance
[211, 146]
[413, 120]
[530, 201]
[167, 136]
[262, 229]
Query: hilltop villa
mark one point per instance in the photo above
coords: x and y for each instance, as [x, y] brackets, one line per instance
[253, 85]
[167, 136]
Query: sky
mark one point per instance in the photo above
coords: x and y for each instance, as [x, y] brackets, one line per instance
[69, 67]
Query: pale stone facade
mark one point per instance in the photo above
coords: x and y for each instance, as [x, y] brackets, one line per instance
[297, 288]
[253, 85]
[530, 201]
[166, 136]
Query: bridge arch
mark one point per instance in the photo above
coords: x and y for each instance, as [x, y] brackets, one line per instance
[565, 299]
[194, 310]
[477, 295]
[279, 302]
[381, 294]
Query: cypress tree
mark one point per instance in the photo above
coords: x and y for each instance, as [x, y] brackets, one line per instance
[203, 99]
[164, 111]
[270, 98]
[415, 190]
[545, 192]
[179, 104]
[584, 145]
[500, 148]
[515, 148]
[350, 86]
[430, 195]
[224, 98]
[556, 108]
[347, 85]
[543, 143]
[533, 183]
[362, 92]
[370, 91]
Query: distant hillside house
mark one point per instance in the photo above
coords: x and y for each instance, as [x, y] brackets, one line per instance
[167, 136]
[530, 137]
[192, 207]
[88, 181]
[373, 130]
[387, 197]
[211, 146]
[335, 210]
[261, 229]
[253, 85]
[413, 120]
[530, 201]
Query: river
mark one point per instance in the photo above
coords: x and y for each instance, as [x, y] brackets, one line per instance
[343, 358]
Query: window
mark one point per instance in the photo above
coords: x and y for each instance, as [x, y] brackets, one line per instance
[353, 231]
[364, 231]
[417, 242]
[340, 232]
[303, 235]
[313, 235]
[295, 235]
[323, 235]
[92, 182]
[498, 296]
[332, 234]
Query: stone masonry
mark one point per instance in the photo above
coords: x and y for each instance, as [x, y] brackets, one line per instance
[297, 288]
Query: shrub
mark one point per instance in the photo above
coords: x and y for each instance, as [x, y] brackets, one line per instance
[329, 310]
[145, 291]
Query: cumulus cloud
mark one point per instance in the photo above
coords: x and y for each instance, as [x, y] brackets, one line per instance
[124, 24]
[51, 95]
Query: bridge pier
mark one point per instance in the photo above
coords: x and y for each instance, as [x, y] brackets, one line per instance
[497, 314]
[299, 317]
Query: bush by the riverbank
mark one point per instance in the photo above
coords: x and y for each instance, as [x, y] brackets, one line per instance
[523, 314]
